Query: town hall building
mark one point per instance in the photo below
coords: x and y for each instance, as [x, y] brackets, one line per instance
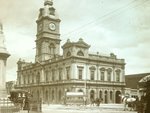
[76, 70]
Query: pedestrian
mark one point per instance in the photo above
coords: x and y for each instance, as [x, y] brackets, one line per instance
[84, 99]
[26, 104]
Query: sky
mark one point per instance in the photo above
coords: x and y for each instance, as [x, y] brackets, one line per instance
[121, 27]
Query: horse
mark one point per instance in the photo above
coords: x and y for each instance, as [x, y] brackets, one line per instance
[129, 102]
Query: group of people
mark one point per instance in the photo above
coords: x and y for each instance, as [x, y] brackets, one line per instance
[96, 101]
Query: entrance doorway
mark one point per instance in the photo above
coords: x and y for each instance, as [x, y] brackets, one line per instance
[106, 97]
[118, 97]
[92, 95]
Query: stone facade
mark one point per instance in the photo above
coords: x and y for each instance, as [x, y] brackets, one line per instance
[77, 70]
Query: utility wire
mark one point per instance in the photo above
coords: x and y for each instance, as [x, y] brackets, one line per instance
[104, 17]
[99, 18]
[84, 30]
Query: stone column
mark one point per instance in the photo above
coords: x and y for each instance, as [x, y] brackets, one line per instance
[3, 59]
[114, 96]
[108, 96]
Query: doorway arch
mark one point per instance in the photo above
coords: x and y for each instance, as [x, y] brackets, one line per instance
[106, 97]
[92, 95]
[118, 97]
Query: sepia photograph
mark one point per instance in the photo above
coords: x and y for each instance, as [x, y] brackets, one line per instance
[74, 56]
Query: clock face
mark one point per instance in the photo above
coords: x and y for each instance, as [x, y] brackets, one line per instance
[52, 26]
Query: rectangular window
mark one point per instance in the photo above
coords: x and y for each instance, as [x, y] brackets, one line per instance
[53, 75]
[109, 76]
[32, 78]
[102, 76]
[19, 78]
[46, 76]
[80, 71]
[24, 79]
[68, 73]
[28, 79]
[117, 76]
[60, 74]
[92, 74]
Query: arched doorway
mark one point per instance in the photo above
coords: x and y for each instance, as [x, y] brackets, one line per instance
[100, 94]
[92, 95]
[106, 97]
[118, 97]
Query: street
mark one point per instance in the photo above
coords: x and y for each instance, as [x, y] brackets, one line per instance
[104, 108]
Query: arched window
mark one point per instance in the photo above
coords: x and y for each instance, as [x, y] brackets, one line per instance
[109, 74]
[52, 49]
[60, 74]
[80, 53]
[102, 76]
[38, 78]
[53, 75]
[68, 73]
[118, 75]
[92, 74]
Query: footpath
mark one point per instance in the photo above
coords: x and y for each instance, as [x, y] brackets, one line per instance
[103, 108]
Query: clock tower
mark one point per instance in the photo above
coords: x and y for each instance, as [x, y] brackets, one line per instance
[48, 35]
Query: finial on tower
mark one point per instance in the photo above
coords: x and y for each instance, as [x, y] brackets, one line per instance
[48, 2]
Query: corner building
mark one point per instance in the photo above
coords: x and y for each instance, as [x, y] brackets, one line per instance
[76, 70]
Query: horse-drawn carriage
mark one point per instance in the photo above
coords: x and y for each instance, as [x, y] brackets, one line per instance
[18, 97]
[24, 100]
